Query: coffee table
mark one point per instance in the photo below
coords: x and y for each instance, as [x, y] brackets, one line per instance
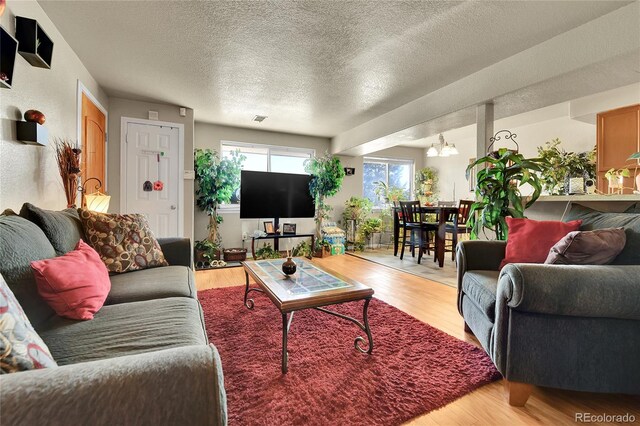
[311, 287]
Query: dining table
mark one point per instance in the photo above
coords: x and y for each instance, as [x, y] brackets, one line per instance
[443, 213]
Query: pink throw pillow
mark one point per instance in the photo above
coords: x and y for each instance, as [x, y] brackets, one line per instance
[76, 284]
[529, 241]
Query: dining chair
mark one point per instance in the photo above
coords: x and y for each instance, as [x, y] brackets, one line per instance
[456, 225]
[413, 223]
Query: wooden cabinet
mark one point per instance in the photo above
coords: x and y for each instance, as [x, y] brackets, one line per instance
[618, 136]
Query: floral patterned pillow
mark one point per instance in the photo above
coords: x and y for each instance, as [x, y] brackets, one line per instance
[123, 241]
[20, 346]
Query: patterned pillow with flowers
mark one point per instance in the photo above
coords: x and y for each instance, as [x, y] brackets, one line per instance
[123, 241]
[20, 346]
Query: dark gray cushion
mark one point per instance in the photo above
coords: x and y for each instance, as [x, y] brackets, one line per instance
[155, 283]
[21, 242]
[594, 219]
[633, 208]
[480, 287]
[62, 228]
[126, 329]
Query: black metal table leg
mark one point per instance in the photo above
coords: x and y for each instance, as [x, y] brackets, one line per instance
[364, 327]
[248, 303]
[286, 323]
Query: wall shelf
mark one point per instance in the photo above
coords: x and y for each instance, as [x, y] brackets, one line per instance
[590, 198]
[35, 45]
[8, 51]
[31, 133]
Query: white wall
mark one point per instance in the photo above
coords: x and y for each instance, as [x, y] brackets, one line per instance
[119, 108]
[29, 172]
[210, 136]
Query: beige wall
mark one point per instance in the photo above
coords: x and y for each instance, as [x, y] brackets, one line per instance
[210, 136]
[119, 108]
[29, 172]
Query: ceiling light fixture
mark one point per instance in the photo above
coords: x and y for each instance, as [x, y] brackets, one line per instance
[259, 118]
[445, 149]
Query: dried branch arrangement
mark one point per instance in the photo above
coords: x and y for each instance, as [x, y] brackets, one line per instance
[68, 158]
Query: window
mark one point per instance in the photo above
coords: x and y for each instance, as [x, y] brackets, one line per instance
[395, 173]
[267, 158]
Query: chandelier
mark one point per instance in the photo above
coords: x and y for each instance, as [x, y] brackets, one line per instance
[445, 150]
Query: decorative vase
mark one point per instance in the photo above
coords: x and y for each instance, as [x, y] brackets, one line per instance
[289, 266]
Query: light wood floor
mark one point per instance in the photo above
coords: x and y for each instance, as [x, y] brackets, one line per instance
[435, 304]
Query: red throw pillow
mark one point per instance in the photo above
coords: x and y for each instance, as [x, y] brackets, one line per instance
[76, 284]
[529, 241]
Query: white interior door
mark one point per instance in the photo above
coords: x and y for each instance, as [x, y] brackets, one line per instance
[152, 176]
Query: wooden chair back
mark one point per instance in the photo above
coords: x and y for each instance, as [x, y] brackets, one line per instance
[410, 212]
[463, 211]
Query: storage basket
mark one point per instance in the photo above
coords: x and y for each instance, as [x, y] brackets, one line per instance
[235, 254]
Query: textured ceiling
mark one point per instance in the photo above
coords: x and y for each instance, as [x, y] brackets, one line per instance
[313, 67]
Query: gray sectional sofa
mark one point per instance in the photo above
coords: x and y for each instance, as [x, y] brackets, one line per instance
[565, 326]
[143, 359]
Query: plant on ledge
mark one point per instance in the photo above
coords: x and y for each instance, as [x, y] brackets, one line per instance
[563, 165]
[327, 175]
[498, 190]
[216, 180]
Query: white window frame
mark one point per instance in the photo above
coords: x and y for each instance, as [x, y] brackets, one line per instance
[235, 208]
[387, 161]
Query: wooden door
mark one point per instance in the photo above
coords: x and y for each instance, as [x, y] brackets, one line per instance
[153, 155]
[618, 136]
[94, 140]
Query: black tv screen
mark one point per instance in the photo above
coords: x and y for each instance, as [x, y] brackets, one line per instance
[275, 195]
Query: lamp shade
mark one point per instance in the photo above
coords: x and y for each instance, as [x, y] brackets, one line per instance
[432, 152]
[97, 202]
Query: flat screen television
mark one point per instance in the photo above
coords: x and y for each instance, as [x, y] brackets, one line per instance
[275, 195]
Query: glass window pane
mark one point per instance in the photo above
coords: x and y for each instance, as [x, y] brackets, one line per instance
[400, 177]
[288, 164]
[371, 173]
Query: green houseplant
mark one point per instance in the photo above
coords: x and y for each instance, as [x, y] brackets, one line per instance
[327, 175]
[426, 184]
[498, 190]
[216, 181]
[563, 165]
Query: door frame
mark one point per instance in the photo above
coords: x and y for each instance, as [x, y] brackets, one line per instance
[81, 88]
[124, 122]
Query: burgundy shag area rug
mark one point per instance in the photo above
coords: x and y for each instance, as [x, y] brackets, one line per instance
[414, 367]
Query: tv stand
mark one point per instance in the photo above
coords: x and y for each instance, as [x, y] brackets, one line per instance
[276, 239]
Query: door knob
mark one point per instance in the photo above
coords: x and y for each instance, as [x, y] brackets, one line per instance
[173, 207]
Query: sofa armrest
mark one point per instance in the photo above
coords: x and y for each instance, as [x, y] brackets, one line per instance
[608, 291]
[177, 251]
[477, 255]
[172, 386]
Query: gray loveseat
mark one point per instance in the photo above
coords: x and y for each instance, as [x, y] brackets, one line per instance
[143, 359]
[563, 326]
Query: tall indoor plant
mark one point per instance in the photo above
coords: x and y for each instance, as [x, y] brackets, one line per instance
[498, 190]
[327, 175]
[217, 179]
[426, 184]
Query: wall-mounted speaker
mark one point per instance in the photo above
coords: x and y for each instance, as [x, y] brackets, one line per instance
[349, 171]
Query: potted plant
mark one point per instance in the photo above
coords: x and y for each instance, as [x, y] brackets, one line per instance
[498, 190]
[426, 185]
[266, 252]
[327, 175]
[206, 251]
[355, 211]
[564, 166]
[216, 181]
[616, 179]
[370, 226]
[636, 156]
